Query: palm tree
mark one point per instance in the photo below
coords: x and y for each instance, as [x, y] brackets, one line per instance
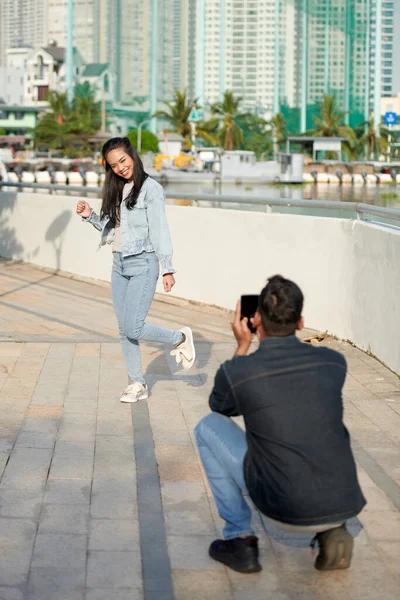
[178, 115]
[278, 124]
[227, 111]
[58, 105]
[50, 131]
[85, 110]
[331, 122]
[372, 143]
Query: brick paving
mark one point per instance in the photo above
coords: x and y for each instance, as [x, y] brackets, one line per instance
[101, 500]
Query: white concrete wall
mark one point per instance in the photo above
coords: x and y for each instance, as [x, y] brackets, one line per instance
[349, 271]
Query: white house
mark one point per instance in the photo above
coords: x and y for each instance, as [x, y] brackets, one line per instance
[101, 78]
[45, 70]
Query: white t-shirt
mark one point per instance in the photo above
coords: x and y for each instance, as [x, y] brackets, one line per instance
[117, 244]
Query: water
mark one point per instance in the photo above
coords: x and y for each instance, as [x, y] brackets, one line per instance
[379, 195]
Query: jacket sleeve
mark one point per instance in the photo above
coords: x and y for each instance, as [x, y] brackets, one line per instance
[222, 398]
[94, 219]
[158, 228]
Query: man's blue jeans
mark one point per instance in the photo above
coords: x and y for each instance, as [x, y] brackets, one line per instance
[222, 446]
[133, 284]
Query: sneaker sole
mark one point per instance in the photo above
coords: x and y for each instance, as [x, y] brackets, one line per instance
[336, 556]
[186, 364]
[236, 566]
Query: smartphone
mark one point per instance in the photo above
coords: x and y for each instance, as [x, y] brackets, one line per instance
[249, 305]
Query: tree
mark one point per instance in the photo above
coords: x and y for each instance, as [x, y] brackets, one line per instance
[278, 124]
[58, 105]
[149, 141]
[371, 144]
[257, 135]
[178, 115]
[65, 126]
[331, 124]
[230, 135]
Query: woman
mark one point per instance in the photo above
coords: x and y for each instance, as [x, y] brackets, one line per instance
[132, 219]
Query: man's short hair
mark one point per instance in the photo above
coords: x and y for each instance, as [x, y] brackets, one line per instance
[280, 305]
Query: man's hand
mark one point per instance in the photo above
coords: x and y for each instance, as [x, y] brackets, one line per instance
[241, 332]
[168, 282]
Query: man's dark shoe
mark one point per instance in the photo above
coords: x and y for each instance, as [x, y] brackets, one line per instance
[335, 549]
[240, 554]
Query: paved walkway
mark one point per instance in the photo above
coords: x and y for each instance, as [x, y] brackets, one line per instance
[104, 501]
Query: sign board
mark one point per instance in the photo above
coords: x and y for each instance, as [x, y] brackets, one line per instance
[196, 114]
[390, 118]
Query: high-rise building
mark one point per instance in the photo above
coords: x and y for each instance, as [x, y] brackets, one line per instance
[22, 23]
[234, 45]
[84, 26]
[385, 22]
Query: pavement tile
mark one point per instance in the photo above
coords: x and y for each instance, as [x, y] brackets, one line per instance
[20, 503]
[114, 535]
[50, 583]
[11, 593]
[59, 551]
[30, 439]
[190, 585]
[190, 552]
[27, 468]
[117, 594]
[65, 491]
[64, 518]
[177, 463]
[186, 509]
[17, 537]
[114, 570]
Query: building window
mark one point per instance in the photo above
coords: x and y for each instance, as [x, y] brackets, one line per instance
[19, 116]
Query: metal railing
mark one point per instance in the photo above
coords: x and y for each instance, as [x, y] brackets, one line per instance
[358, 209]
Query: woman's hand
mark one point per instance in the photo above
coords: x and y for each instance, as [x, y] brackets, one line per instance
[168, 282]
[83, 209]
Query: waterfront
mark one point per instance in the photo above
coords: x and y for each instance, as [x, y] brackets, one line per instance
[385, 195]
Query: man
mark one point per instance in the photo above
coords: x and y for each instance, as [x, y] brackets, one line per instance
[295, 459]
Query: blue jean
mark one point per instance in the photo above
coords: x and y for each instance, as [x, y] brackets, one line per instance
[222, 446]
[133, 284]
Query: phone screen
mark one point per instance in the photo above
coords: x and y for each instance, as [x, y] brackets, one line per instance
[249, 305]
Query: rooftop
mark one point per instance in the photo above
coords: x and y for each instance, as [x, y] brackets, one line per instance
[94, 69]
[109, 500]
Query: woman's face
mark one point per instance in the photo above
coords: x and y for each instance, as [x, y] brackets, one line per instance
[121, 163]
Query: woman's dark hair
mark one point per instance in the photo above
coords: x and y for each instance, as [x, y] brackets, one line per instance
[114, 184]
[280, 305]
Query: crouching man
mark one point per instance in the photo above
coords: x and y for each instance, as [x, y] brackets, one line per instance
[294, 458]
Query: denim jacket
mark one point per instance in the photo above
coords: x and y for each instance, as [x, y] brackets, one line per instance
[299, 467]
[143, 229]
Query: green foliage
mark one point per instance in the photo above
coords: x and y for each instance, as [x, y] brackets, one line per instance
[69, 127]
[230, 134]
[331, 124]
[149, 141]
[178, 114]
[257, 136]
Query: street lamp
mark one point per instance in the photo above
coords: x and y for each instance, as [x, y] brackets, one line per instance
[139, 136]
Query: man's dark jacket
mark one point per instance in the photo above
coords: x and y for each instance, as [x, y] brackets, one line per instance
[299, 468]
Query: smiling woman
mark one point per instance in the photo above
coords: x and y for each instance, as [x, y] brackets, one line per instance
[133, 220]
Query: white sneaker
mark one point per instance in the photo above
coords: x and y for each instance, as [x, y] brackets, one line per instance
[185, 353]
[134, 392]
